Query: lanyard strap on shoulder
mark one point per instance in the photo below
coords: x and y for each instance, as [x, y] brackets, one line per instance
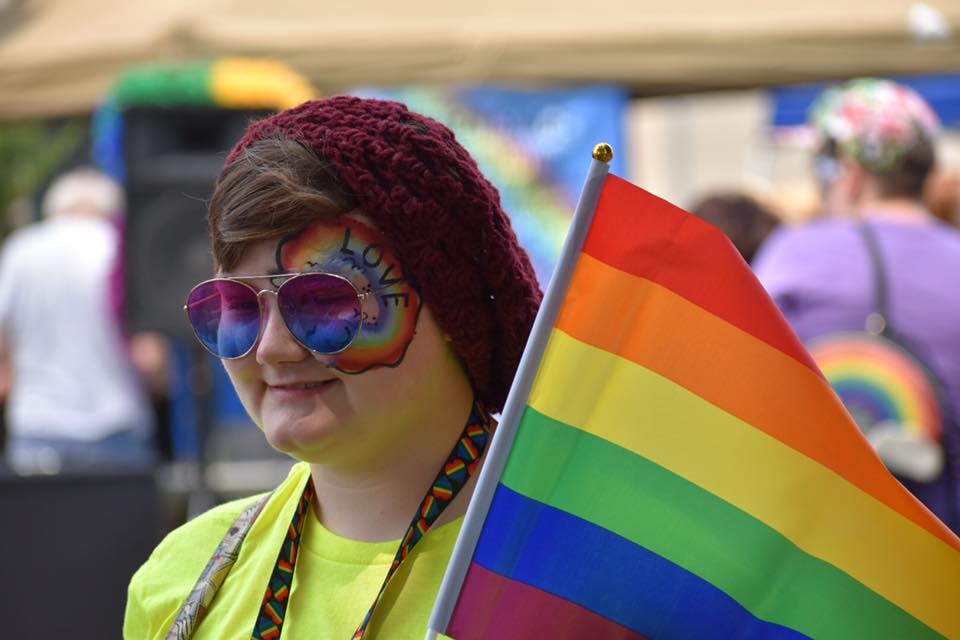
[201, 596]
[451, 478]
[459, 466]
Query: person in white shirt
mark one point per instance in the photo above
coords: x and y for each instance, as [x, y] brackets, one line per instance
[75, 400]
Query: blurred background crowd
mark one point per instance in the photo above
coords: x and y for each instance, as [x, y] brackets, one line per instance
[116, 115]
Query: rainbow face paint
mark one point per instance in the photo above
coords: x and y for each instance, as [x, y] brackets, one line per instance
[348, 247]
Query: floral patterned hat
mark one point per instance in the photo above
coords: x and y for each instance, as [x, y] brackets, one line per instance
[874, 121]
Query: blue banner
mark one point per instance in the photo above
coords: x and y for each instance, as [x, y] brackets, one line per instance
[792, 104]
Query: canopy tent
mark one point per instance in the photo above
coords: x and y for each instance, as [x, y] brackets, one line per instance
[61, 56]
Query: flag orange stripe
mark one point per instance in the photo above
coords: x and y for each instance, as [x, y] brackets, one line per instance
[736, 372]
[639, 233]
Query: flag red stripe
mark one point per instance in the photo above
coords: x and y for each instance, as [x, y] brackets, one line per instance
[639, 233]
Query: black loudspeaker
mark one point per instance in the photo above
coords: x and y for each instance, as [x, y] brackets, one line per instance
[172, 157]
[69, 545]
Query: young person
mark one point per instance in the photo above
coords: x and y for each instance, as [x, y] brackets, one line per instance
[371, 304]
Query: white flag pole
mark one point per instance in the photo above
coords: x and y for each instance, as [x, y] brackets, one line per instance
[502, 441]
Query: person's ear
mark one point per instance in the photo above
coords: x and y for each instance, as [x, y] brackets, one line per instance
[845, 192]
[856, 181]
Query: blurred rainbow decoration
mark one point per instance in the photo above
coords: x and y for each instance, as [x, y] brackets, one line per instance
[251, 84]
[880, 383]
[226, 83]
[894, 399]
[531, 144]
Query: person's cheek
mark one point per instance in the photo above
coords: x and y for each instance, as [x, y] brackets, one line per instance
[386, 333]
[391, 307]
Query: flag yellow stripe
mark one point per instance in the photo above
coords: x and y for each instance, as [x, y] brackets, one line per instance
[629, 315]
[827, 517]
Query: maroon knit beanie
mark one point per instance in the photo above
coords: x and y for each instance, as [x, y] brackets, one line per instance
[427, 196]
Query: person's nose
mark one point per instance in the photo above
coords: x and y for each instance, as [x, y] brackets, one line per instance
[276, 344]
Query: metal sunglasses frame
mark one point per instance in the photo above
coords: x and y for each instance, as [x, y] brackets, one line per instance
[361, 296]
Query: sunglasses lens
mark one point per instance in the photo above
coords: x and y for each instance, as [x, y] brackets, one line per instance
[225, 316]
[322, 311]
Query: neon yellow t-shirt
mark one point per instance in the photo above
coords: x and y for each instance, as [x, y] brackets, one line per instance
[334, 584]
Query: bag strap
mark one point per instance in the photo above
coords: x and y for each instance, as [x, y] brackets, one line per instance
[197, 604]
[878, 322]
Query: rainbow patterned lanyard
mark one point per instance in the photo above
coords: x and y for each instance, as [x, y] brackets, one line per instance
[459, 466]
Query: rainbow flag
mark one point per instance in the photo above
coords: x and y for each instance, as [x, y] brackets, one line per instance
[682, 469]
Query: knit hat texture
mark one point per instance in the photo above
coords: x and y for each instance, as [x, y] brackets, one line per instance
[426, 194]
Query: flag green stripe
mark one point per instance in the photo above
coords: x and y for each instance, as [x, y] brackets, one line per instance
[598, 481]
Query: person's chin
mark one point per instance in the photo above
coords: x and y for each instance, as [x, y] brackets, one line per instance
[303, 437]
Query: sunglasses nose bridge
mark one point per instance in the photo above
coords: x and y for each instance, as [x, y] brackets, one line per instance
[263, 305]
[263, 308]
[271, 345]
[265, 291]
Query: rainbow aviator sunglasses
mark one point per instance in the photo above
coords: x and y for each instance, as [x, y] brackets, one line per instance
[323, 312]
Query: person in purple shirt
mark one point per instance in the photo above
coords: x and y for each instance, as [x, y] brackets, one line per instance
[876, 150]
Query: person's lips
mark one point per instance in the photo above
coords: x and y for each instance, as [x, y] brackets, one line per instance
[299, 389]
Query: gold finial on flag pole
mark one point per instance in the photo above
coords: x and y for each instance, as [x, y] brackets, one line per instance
[603, 152]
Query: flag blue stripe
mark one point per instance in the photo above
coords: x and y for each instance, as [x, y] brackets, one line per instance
[544, 547]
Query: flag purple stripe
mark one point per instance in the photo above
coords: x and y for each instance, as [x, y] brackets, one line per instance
[543, 547]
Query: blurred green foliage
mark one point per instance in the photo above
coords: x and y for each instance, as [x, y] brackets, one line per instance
[30, 151]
